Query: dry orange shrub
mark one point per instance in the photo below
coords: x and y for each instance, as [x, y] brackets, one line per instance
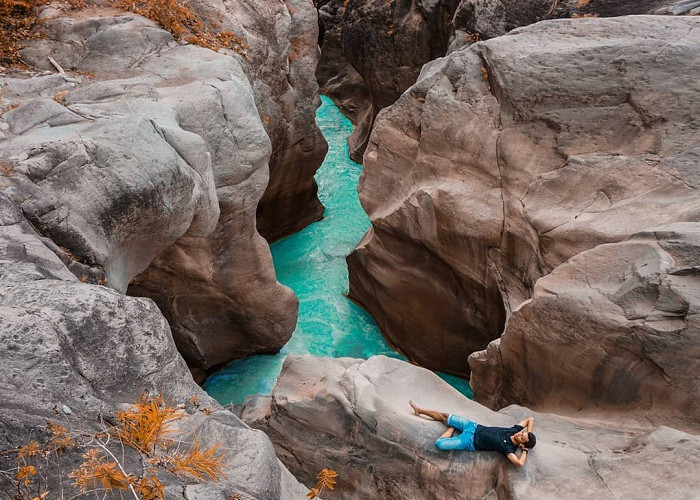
[7, 168]
[324, 480]
[18, 23]
[184, 25]
[144, 428]
[18, 18]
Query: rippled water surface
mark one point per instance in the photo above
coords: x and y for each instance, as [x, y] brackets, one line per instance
[312, 263]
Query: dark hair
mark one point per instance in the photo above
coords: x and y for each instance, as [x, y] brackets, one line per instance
[532, 440]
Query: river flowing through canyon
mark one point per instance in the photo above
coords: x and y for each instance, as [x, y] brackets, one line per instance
[312, 263]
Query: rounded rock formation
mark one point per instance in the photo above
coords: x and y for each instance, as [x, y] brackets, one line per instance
[511, 156]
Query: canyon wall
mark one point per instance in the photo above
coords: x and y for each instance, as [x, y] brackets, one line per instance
[150, 167]
[141, 170]
[511, 156]
[373, 50]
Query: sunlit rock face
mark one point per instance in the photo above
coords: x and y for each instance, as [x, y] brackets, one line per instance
[150, 171]
[353, 416]
[373, 50]
[514, 155]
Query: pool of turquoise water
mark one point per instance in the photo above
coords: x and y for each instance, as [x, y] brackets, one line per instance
[312, 263]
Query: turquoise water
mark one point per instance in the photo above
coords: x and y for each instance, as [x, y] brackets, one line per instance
[312, 263]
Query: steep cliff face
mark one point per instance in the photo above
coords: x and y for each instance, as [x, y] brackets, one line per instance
[150, 171]
[282, 57]
[510, 157]
[277, 45]
[372, 51]
[353, 416]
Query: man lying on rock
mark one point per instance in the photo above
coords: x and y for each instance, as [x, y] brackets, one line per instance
[475, 437]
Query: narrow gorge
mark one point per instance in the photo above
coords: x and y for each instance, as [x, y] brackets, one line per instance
[201, 297]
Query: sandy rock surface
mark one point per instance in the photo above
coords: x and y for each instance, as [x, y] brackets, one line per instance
[75, 352]
[149, 172]
[510, 157]
[353, 416]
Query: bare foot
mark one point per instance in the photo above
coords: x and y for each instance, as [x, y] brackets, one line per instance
[415, 408]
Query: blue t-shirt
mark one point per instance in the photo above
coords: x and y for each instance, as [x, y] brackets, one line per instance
[495, 438]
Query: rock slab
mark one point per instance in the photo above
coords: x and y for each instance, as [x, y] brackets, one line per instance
[353, 416]
[149, 173]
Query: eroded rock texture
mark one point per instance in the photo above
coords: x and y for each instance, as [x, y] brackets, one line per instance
[510, 157]
[614, 328]
[492, 18]
[276, 45]
[282, 57]
[353, 416]
[373, 50]
[74, 353]
[150, 173]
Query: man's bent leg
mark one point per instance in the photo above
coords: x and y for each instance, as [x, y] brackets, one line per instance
[464, 441]
[460, 423]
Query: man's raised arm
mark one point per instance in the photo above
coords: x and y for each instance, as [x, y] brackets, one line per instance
[528, 423]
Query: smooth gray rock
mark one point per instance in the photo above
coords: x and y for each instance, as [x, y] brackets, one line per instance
[89, 349]
[155, 188]
[279, 55]
[353, 416]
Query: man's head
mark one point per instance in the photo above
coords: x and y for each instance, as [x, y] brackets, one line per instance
[528, 439]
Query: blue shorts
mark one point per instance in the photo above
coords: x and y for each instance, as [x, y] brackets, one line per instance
[463, 441]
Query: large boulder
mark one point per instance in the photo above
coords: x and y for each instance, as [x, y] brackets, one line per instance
[484, 19]
[616, 329]
[353, 416]
[74, 353]
[149, 173]
[513, 155]
[276, 46]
